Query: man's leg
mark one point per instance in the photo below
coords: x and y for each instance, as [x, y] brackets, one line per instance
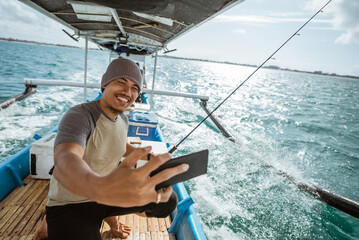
[75, 221]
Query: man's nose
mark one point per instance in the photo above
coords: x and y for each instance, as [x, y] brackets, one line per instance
[127, 90]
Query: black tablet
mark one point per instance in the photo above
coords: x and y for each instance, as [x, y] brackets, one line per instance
[197, 162]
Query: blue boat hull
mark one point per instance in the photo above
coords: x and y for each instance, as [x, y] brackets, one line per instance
[186, 227]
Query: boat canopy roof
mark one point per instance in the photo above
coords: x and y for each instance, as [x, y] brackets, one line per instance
[131, 26]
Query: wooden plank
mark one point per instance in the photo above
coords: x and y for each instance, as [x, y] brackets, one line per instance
[162, 224]
[30, 237]
[36, 218]
[10, 218]
[148, 236]
[136, 236]
[28, 193]
[136, 223]
[130, 237]
[15, 192]
[142, 236]
[19, 192]
[35, 206]
[168, 221]
[129, 220]
[16, 209]
[17, 200]
[27, 179]
[160, 235]
[155, 225]
[149, 225]
[23, 209]
[143, 224]
[122, 219]
[154, 235]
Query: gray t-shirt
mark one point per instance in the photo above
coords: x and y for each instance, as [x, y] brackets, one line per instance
[103, 139]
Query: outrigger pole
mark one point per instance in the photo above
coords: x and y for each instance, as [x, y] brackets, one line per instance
[339, 202]
[30, 89]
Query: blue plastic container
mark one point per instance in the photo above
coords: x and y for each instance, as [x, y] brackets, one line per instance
[142, 125]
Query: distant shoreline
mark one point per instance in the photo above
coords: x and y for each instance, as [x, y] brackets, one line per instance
[191, 59]
[41, 43]
[267, 67]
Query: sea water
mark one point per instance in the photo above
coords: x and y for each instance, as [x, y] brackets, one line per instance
[303, 124]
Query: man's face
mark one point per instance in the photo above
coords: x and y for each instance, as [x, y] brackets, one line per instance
[119, 94]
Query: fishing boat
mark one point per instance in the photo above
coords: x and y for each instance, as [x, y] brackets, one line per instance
[132, 29]
[136, 30]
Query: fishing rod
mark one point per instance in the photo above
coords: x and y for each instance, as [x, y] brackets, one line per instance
[240, 85]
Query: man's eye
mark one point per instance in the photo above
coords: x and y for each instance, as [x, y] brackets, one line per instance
[135, 88]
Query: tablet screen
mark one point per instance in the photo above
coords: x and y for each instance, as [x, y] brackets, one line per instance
[197, 162]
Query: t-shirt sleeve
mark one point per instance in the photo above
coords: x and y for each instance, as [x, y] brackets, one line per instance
[74, 127]
[125, 118]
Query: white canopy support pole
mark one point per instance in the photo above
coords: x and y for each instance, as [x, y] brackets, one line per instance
[153, 80]
[117, 20]
[85, 71]
[68, 83]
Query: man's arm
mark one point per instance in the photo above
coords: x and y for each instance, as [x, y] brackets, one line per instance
[125, 186]
[72, 171]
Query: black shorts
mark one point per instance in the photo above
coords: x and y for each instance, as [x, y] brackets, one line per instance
[83, 220]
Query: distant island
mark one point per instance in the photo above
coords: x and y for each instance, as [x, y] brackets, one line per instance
[268, 67]
[192, 59]
[42, 43]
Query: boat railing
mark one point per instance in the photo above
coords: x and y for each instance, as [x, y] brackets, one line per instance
[32, 83]
[54, 82]
[202, 98]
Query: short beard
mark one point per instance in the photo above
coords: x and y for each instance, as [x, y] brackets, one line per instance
[115, 111]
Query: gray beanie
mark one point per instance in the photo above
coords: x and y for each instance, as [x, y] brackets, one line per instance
[122, 68]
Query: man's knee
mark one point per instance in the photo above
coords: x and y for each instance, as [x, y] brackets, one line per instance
[162, 210]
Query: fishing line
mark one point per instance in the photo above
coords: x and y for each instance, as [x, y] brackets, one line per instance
[240, 85]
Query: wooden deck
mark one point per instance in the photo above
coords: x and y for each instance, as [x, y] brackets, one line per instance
[22, 210]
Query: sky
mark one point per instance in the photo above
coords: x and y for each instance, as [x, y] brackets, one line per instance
[248, 33]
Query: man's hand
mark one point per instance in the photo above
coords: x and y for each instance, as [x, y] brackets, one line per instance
[128, 186]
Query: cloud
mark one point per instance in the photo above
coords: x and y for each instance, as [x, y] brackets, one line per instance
[345, 15]
[14, 11]
[346, 18]
[21, 22]
[240, 31]
[260, 19]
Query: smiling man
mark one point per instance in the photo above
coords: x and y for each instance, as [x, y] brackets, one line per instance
[88, 184]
